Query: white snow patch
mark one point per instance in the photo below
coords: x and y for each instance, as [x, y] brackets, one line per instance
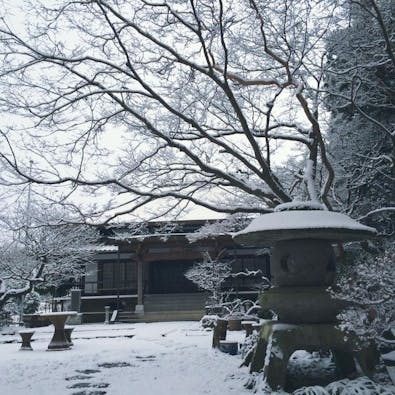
[173, 358]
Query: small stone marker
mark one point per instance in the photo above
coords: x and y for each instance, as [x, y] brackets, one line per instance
[219, 332]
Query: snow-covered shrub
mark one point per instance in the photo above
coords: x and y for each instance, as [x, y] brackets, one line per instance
[316, 390]
[243, 309]
[31, 303]
[9, 309]
[359, 386]
[369, 282]
[5, 318]
[209, 275]
[208, 320]
[248, 348]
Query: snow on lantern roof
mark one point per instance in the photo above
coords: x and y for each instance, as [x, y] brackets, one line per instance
[299, 205]
[302, 224]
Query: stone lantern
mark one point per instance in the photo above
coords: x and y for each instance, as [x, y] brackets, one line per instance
[302, 267]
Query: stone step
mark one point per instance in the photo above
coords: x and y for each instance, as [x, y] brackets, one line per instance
[165, 316]
[128, 316]
[174, 302]
[161, 297]
[158, 309]
[179, 301]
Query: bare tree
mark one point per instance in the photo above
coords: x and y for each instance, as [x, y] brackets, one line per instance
[204, 98]
[39, 249]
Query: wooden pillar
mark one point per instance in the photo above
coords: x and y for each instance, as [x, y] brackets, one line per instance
[140, 285]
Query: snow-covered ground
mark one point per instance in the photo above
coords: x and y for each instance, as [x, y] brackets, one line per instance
[173, 358]
[161, 358]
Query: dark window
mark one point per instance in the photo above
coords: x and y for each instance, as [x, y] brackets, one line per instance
[117, 276]
[169, 277]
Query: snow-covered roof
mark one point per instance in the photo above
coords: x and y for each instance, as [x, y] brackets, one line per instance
[286, 225]
[130, 237]
[102, 248]
[107, 248]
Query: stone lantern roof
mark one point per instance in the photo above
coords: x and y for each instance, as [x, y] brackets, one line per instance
[294, 223]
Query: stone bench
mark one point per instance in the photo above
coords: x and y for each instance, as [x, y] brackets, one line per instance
[26, 336]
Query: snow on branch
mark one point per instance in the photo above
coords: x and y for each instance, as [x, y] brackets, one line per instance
[377, 211]
[247, 273]
[231, 224]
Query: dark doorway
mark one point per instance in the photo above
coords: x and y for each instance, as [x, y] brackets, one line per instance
[168, 277]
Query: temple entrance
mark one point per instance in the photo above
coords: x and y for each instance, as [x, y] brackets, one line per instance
[168, 277]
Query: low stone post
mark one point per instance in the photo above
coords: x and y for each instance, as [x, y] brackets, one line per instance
[75, 299]
[106, 314]
[219, 332]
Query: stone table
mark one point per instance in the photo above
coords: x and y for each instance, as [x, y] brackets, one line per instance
[59, 340]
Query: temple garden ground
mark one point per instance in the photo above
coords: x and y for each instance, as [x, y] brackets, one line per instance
[161, 358]
[170, 358]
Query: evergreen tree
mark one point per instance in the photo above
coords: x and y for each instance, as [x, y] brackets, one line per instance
[361, 99]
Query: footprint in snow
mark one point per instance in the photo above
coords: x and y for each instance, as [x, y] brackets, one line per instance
[109, 365]
[88, 371]
[147, 358]
[78, 377]
[89, 385]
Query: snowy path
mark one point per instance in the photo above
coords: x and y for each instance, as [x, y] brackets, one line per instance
[162, 359]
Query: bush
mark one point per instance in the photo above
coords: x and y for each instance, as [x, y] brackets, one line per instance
[31, 303]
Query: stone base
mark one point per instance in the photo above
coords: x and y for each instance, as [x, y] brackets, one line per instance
[279, 341]
[139, 309]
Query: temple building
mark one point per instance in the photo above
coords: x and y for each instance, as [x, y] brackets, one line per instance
[140, 271]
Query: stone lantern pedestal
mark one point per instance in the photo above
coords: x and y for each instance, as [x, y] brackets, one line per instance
[303, 266]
